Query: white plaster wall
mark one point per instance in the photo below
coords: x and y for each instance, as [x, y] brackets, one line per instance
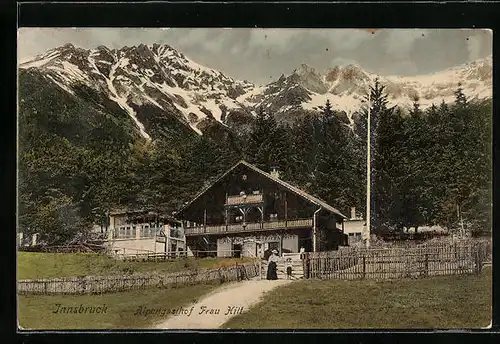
[223, 248]
[249, 249]
[291, 243]
[355, 226]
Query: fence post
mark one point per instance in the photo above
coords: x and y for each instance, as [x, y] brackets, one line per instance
[426, 264]
[364, 266]
[308, 265]
[479, 263]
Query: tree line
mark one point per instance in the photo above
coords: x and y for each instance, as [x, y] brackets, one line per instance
[429, 167]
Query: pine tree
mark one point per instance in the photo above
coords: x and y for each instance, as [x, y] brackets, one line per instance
[381, 143]
[302, 151]
[460, 98]
[337, 164]
[264, 148]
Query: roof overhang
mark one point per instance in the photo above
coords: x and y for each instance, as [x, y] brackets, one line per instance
[295, 190]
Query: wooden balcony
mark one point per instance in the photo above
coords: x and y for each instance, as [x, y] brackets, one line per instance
[249, 227]
[244, 199]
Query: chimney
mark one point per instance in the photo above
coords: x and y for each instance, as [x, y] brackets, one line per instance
[274, 172]
[353, 213]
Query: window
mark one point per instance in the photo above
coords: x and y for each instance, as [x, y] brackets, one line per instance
[274, 245]
[358, 235]
[351, 234]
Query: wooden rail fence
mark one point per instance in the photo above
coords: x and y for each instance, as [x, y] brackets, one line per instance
[80, 248]
[107, 284]
[387, 263]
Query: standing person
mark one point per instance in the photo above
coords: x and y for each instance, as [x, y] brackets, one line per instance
[302, 252]
[267, 254]
[289, 268]
[272, 266]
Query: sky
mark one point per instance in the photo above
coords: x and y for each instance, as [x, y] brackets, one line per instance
[262, 55]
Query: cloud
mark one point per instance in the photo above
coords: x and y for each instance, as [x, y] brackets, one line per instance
[261, 54]
[479, 43]
[348, 39]
[342, 62]
[474, 47]
[399, 43]
[401, 67]
[275, 39]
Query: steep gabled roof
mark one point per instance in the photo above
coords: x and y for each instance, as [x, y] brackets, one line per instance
[286, 185]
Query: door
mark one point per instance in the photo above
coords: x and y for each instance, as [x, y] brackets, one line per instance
[275, 245]
[306, 243]
[237, 250]
[259, 250]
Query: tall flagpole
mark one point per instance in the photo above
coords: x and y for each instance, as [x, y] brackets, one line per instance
[368, 171]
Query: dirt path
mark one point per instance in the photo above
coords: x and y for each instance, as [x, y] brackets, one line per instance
[219, 306]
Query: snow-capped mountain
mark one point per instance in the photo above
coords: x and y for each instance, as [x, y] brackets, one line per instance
[163, 80]
[154, 74]
[346, 86]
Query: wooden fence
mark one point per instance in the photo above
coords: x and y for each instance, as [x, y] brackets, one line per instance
[387, 263]
[107, 284]
[80, 248]
[169, 256]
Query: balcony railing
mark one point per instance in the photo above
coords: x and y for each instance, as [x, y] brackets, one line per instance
[131, 232]
[244, 199]
[249, 227]
[162, 239]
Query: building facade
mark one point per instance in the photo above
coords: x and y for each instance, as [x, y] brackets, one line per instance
[248, 211]
[140, 231]
[354, 226]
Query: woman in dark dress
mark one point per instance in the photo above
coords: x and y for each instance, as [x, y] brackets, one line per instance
[272, 266]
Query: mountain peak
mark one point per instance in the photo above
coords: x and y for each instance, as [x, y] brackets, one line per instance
[157, 76]
[103, 47]
[352, 66]
[304, 69]
[350, 73]
[310, 79]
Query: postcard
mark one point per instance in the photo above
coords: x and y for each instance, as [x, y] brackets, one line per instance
[247, 178]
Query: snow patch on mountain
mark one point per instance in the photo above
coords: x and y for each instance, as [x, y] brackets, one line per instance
[64, 87]
[163, 77]
[346, 87]
[251, 97]
[121, 101]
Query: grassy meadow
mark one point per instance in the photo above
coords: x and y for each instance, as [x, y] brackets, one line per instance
[461, 301]
[36, 312]
[31, 265]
